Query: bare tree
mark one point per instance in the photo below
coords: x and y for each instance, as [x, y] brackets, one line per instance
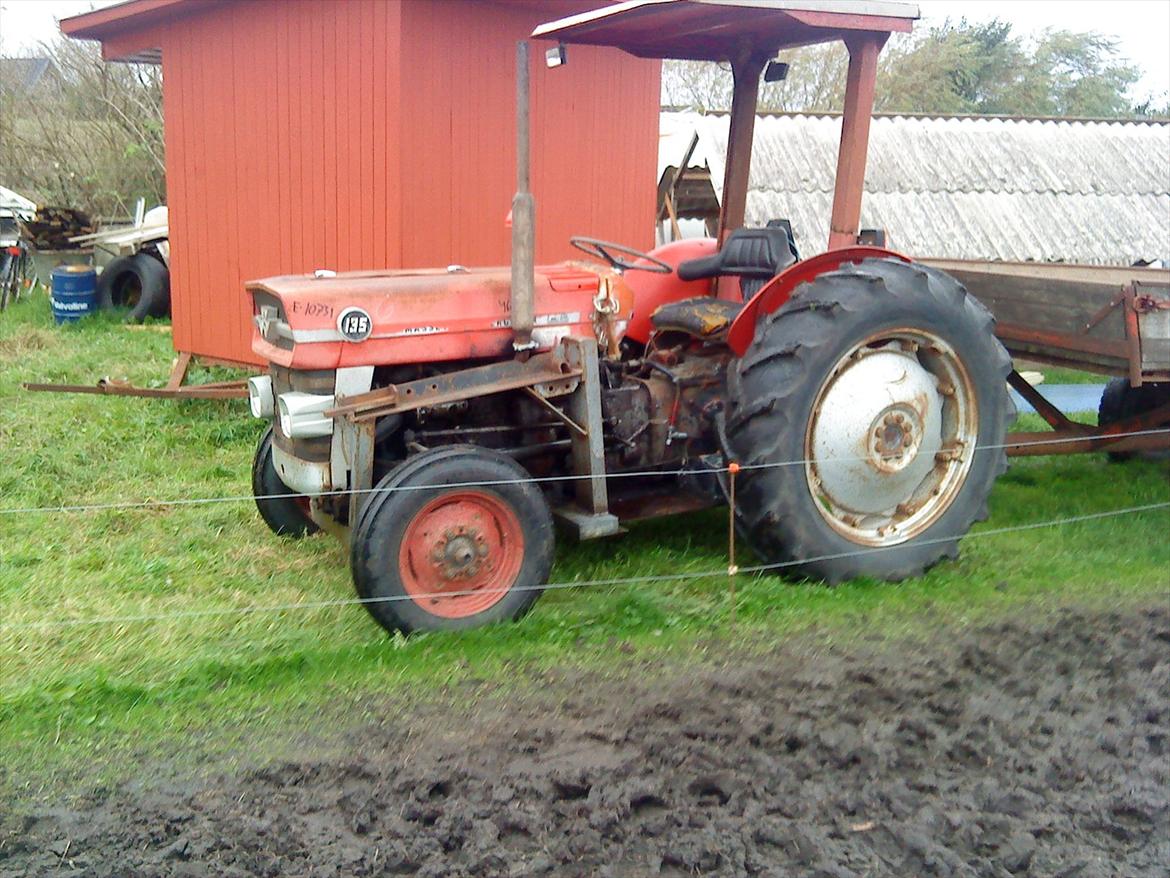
[952, 67]
[815, 83]
[89, 135]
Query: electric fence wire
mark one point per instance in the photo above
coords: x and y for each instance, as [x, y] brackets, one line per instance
[582, 584]
[241, 498]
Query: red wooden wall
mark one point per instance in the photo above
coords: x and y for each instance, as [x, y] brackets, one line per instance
[307, 134]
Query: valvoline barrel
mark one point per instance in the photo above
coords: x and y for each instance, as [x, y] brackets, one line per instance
[74, 292]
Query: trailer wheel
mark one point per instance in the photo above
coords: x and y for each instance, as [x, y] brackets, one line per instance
[140, 283]
[1120, 401]
[856, 414]
[451, 539]
[284, 511]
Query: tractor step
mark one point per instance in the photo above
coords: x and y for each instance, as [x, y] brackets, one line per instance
[588, 525]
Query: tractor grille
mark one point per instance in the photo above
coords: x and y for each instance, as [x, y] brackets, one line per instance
[321, 382]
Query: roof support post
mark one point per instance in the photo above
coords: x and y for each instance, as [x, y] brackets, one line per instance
[855, 118]
[745, 71]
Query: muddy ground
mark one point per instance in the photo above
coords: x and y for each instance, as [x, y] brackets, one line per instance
[1022, 748]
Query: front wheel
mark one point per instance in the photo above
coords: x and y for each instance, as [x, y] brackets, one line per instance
[453, 538]
[869, 415]
[286, 513]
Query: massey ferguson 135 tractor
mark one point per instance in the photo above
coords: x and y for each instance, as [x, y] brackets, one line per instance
[440, 418]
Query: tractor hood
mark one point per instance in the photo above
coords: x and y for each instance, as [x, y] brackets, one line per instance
[331, 321]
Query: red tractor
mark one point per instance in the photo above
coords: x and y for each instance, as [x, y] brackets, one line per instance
[441, 418]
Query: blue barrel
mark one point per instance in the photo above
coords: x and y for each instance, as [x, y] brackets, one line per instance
[74, 292]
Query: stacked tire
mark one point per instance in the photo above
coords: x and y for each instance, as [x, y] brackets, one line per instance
[140, 282]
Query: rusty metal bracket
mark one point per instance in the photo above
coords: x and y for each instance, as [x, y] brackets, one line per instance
[589, 516]
[565, 419]
[457, 386]
[1133, 336]
[174, 389]
[1054, 416]
[1104, 312]
[1118, 436]
[109, 387]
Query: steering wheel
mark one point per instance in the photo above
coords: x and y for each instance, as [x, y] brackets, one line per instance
[605, 251]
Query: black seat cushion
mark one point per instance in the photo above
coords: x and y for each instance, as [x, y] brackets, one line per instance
[755, 256]
[703, 317]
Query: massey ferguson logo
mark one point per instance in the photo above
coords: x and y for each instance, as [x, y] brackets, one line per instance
[266, 322]
[355, 324]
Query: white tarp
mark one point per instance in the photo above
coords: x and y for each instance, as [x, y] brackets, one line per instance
[17, 204]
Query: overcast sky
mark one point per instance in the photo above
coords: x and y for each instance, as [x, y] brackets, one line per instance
[1141, 27]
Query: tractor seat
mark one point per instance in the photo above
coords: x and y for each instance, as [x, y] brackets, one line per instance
[755, 256]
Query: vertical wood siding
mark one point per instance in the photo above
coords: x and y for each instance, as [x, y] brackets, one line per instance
[307, 134]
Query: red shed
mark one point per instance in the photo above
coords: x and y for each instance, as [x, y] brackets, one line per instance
[305, 134]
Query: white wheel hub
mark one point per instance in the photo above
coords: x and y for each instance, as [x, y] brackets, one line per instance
[885, 441]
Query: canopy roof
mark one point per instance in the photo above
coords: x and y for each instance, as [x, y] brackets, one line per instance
[720, 30]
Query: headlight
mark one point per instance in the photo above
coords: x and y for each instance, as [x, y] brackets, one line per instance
[260, 396]
[302, 415]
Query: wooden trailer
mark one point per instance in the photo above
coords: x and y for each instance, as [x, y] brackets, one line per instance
[1113, 321]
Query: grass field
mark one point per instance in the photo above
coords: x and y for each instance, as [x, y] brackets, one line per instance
[210, 672]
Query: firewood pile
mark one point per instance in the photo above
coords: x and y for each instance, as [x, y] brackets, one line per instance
[54, 226]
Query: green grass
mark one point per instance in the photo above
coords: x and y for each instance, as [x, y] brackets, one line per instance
[82, 697]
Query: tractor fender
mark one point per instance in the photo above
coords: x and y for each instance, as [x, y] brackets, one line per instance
[777, 291]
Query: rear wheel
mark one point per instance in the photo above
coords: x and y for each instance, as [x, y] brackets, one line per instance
[452, 539]
[286, 513]
[857, 413]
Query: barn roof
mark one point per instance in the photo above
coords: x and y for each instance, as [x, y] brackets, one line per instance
[1092, 191]
[123, 28]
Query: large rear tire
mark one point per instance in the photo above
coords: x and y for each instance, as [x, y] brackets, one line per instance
[453, 538]
[856, 414]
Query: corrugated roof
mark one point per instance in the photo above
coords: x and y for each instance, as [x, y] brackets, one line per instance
[1096, 192]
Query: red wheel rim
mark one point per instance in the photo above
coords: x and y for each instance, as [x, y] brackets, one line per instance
[461, 553]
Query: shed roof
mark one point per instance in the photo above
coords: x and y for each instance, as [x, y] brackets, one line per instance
[716, 30]
[1089, 191]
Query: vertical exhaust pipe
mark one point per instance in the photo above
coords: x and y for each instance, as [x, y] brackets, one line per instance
[523, 217]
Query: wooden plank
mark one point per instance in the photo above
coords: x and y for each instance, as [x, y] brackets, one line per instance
[1061, 312]
[1064, 271]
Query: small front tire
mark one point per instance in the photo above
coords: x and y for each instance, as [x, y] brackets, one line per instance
[285, 512]
[451, 539]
